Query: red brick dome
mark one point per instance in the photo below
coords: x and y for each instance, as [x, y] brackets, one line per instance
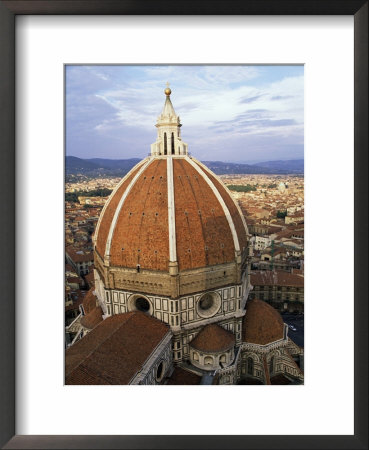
[262, 324]
[170, 208]
[213, 339]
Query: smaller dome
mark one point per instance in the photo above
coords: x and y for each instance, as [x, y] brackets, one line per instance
[262, 324]
[213, 338]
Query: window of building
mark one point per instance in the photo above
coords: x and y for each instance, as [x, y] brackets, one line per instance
[209, 304]
[208, 361]
[142, 304]
[160, 371]
[250, 366]
[271, 365]
[172, 143]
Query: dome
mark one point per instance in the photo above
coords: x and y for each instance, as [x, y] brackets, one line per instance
[213, 339]
[170, 227]
[262, 324]
[170, 209]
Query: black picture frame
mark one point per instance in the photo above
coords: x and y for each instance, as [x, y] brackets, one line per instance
[8, 12]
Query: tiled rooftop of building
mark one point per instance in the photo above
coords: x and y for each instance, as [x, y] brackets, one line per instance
[183, 377]
[262, 324]
[115, 350]
[276, 278]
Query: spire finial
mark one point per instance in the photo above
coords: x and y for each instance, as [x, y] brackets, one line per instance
[167, 91]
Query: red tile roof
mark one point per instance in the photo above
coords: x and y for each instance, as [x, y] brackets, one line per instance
[213, 338]
[115, 350]
[89, 301]
[111, 206]
[276, 278]
[183, 377]
[93, 318]
[141, 234]
[262, 324]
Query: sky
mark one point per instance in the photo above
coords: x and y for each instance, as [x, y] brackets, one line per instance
[229, 113]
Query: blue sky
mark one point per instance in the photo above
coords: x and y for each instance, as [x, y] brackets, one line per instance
[228, 113]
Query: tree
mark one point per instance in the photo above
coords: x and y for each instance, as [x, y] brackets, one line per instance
[241, 188]
[281, 214]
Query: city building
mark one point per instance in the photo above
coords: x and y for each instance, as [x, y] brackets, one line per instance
[172, 280]
[281, 289]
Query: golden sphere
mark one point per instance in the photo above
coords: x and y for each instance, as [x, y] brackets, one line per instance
[167, 91]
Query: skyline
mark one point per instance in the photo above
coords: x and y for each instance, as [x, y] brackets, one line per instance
[111, 111]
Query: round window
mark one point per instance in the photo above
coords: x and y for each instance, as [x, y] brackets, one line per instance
[206, 302]
[138, 302]
[209, 304]
[142, 304]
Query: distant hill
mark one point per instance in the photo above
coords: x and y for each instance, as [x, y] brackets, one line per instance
[294, 166]
[114, 164]
[100, 167]
[74, 164]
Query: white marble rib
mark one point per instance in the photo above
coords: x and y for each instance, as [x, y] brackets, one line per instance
[111, 196]
[171, 211]
[234, 201]
[120, 204]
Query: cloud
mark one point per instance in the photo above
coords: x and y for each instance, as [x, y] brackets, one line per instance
[250, 99]
[119, 105]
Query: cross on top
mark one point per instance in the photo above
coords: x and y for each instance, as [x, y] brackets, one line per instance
[167, 83]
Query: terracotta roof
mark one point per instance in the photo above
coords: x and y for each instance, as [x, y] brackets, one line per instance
[203, 234]
[74, 280]
[111, 206]
[79, 255]
[262, 324]
[69, 268]
[142, 225]
[89, 301]
[213, 338]
[276, 278]
[115, 350]
[93, 318]
[74, 305]
[141, 233]
[183, 377]
[90, 278]
[228, 200]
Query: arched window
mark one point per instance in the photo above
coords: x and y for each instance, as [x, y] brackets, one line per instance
[223, 359]
[195, 356]
[250, 366]
[142, 304]
[208, 361]
[165, 143]
[172, 144]
[160, 371]
[271, 365]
